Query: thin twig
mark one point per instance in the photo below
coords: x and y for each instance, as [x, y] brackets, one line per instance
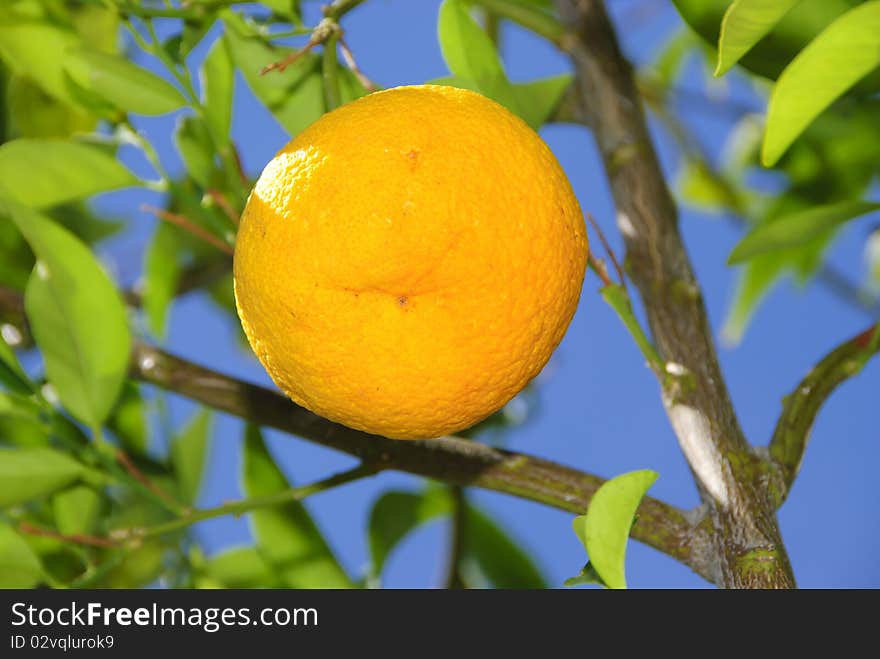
[607, 247]
[188, 225]
[457, 531]
[75, 538]
[128, 464]
[348, 56]
[221, 201]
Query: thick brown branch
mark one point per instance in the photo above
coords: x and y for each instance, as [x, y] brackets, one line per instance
[450, 459]
[748, 545]
[801, 406]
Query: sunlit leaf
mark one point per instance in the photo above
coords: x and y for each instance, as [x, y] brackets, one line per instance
[32, 50]
[46, 172]
[77, 318]
[189, 452]
[295, 96]
[797, 228]
[537, 100]
[122, 83]
[241, 567]
[19, 565]
[745, 23]
[471, 55]
[77, 509]
[193, 142]
[844, 53]
[586, 577]
[286, 536]
[217, 76]
[604, 530]
[29, 473]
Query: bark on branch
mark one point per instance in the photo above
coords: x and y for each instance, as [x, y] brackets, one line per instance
[801, 406]
[450, 459]
[748, 547]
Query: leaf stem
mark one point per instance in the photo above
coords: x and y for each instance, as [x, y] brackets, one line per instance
[330, 70]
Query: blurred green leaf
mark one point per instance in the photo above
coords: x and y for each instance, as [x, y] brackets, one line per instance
[77, 509]
[217, 76]
[19, 406]
[162, 271]
[19, 565]
[844, 53]
[500, 558]
[77, 318]
[241, 567]
[295, 96]
[669, 62]
[12, 376]
[471, 55]
[745, 23]
[704, 189]
[286, 536]
[538, 99]
[604, 530]
[35, 113]
[45, 172]
[797, 228]
[127, 86]
[395, 514]
[29, 473]
[128, 420]
[189, 452]
[193, 142]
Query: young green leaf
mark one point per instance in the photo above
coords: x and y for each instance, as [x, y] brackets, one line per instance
[395, 514]
[193, 142]
[189, 450]
[745, 23]
[586, 577]
[19, 565]
[844, 53]
[217, 76]
[499, 557]
[241, 567]
[605, 528]
[46, 172]
[162, 270]
[537, 100]
[125, 85]
[471, 56]
[77, 318]
[797, 228]
[29, 473]
[295, 96]
[286, 536]
[77, 509]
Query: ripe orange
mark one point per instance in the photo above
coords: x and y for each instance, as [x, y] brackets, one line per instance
[409, 262]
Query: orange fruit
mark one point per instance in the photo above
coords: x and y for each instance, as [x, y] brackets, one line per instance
[408, 263]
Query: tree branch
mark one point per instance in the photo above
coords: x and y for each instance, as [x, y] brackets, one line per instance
[801, 406]
[748, 546]
[449, 459]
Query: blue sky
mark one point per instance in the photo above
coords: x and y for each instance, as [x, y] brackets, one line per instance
[598, 406]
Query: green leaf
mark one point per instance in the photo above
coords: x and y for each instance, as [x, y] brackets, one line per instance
[704, 189]
[193, 142]
[32, 49]
[125, 85]
[586, 577]
[755, 281]
[128, 421]
[605, 528]
[745, 23]
[395, 514]
[12, 376]
[46, 172]
[217, 76]
[29, 473]
[162, 271]
[471, 55]
[77, 509]
[17, 406]
[295, 96]
[189, 451]
[19, 565]
[537, 100]
[286, 536]
[77, 318]
[241, 567]
[500, 558]
[797, 228]
[844, 53]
